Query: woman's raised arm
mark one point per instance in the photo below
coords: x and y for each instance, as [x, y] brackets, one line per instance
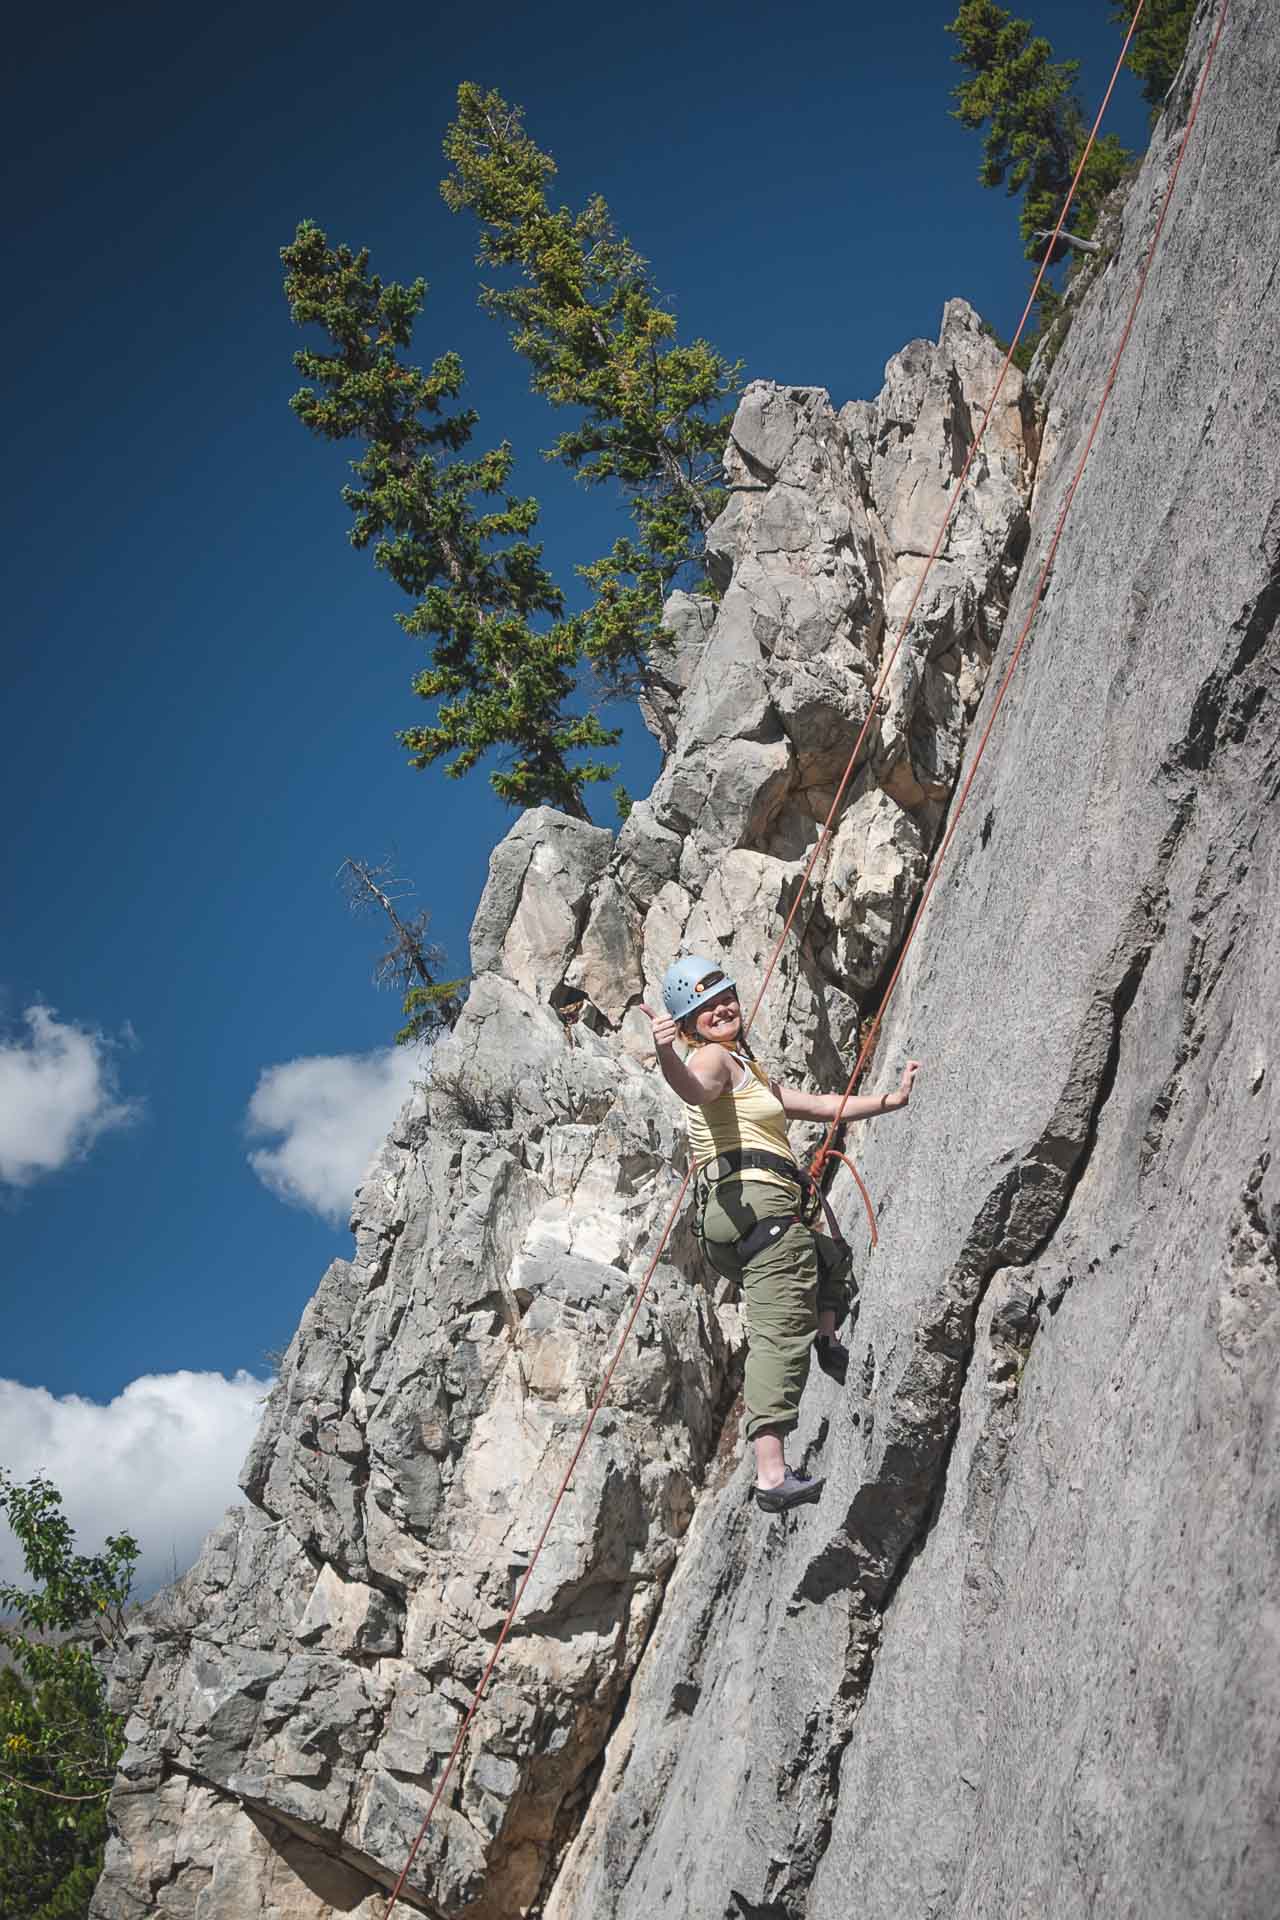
[798, 1105]
[698, 1080]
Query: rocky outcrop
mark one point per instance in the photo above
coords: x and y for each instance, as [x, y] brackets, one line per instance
[330, 1637]
[529, 920]
[1016, 1661]
[817, 556]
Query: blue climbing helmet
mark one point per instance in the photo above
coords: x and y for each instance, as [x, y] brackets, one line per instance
[690, 981]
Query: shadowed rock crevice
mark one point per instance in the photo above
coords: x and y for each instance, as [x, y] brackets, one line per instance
[1228, 703]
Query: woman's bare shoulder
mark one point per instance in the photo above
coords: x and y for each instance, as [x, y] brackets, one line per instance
[712, 1068]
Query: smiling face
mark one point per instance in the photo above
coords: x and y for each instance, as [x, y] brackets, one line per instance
[718, 1019]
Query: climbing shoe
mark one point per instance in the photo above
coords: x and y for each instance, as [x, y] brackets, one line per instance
[832, 1357]
[794, 1490]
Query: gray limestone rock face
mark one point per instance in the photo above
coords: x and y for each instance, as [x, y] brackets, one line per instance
[648, 855]
[311, 1671]
[608, 965]
[872, 879]
[1020, 1659]
[530, 913]
[687, 618]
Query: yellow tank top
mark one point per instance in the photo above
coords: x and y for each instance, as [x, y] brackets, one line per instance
[749, 1116]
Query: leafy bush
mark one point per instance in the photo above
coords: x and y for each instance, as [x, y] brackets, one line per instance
[59, 1742]
[475, 1105]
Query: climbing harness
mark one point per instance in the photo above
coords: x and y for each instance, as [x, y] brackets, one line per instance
[826, 1152]
[729, 1258]
[737, 1160]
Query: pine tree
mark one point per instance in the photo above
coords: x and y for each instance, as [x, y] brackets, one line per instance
[582, 309]
[1158, 45]
[409, 962]
[1035, 133]
[504, 659]
[59, 1742]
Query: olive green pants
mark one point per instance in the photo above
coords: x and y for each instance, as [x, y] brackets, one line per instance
[784, 1287]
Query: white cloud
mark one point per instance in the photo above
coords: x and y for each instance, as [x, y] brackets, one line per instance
[160, 1461]
[332, 1112]
[57, 1094]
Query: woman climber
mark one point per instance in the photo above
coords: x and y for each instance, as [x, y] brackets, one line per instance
[755, 1208]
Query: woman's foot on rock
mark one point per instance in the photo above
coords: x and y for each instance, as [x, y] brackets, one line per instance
[792, 1491]
[832, 1357]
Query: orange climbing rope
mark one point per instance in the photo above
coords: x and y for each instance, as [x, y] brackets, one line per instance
[826, 1151]
[829, 1153]
[952, 503]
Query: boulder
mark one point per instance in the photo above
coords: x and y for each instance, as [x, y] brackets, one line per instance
[531, 910]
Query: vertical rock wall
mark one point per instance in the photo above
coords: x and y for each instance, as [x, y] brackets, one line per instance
[1022, 1659]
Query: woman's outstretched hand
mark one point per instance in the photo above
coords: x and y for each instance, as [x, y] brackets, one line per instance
[664, 1028]
[908, 1080]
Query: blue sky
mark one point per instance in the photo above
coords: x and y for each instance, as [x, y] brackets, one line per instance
[202, 679]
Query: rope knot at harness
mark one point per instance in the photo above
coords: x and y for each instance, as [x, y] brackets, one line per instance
[820, 1159]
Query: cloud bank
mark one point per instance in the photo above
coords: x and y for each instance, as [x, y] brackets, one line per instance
[57, 1095]
[160, 1461]
[331, 1112]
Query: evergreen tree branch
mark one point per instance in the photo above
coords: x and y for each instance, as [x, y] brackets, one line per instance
[1159, 46]
[580, 306]
[1034, 131]
[447, 531]
[29, 1786]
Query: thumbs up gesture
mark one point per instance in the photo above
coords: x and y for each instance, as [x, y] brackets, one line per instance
[664, 1028]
